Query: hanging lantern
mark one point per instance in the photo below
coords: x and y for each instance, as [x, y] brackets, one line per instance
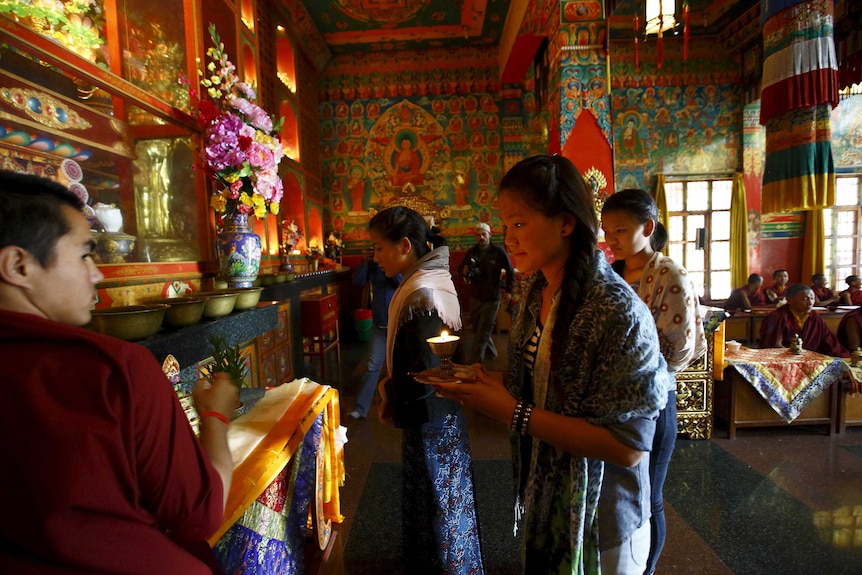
[660, 16]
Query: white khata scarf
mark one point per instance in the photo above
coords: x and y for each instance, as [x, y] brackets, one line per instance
[431, 272]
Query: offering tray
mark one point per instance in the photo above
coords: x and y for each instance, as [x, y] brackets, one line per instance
[462, 374]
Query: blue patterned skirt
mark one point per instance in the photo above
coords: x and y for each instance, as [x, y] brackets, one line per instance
[441, 533]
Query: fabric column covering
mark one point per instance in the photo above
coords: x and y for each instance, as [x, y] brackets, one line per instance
[798, 90]
[799, 173]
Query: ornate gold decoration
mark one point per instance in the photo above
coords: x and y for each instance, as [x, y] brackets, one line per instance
[44, 109]
[597, 182]
[408, 198]
[694, 396]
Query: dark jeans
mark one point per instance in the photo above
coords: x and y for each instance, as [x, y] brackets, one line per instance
[659, 459]
[483, 315]
[376, 359]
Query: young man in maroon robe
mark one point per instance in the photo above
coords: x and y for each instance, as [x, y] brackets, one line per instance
[100, 471]
[796, 317]
[747, 296]
[850, 330]
[775, 292]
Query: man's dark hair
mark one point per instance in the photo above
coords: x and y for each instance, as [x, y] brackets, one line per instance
[31, 214]
[754, 278]
[817, 277]
[851, 279]
[795, 289]
[776, 272]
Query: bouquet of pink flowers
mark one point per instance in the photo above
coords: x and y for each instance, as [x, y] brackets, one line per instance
[242, 149]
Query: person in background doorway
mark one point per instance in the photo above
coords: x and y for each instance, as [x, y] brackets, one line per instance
[853, 294]
[748, 296]
[100, 471]
[823, 296]
[382, 290]
[440, 529]
[775, 293]
[585, 384]
[483, 268]
[636, 237]
[781, 326]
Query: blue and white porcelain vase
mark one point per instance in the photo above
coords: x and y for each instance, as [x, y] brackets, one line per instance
[238, 250]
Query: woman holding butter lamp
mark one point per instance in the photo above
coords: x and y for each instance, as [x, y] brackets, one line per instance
[586, 378]
[440, 530]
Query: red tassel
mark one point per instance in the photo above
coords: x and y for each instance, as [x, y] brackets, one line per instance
[685, 32]
[637, 30]
[658, 48]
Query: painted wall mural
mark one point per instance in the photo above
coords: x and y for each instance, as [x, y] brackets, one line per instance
[446, 149]
[681, 119]
[847, 135]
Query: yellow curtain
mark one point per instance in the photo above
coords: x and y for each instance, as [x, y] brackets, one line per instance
[812, 255]
[661, 203]
[738, 233]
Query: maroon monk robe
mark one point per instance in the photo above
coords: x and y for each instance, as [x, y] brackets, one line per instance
[780, 327]
[854, 316]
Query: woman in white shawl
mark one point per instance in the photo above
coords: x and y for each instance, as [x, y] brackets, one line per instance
[440, 532]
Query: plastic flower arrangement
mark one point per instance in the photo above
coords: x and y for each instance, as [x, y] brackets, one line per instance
[241, 150]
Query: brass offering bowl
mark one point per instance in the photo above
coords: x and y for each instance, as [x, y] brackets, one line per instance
[246, 298]
[130, 322]
[185, 310]
[219, 303]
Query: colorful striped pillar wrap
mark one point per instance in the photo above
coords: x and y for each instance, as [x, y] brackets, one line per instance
[799, 88]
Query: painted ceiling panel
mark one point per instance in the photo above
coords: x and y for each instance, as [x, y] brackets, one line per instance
[371, 25]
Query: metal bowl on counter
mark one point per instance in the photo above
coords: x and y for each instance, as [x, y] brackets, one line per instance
[131, 322]
[246, 298]
[185, 310]
[219, 303]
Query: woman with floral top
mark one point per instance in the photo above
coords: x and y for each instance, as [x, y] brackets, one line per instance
[632, 231]
[586, 378]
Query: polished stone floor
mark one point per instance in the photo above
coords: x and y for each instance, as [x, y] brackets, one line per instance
[781, 501]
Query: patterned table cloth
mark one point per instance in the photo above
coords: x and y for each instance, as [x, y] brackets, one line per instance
[287, 457]
[788, 382]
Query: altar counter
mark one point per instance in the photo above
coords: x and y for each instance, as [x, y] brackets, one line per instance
[288, 459]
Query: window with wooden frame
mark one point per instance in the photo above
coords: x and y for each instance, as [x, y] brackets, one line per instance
[699, 232]
[842, 231]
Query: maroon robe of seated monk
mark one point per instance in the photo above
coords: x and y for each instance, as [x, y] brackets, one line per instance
[780, 327]
[854, 316]
[735, 301]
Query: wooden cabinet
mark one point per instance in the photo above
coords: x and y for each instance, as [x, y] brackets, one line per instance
[319, 318]
[694, 396]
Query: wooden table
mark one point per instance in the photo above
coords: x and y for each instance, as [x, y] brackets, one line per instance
[772, 387]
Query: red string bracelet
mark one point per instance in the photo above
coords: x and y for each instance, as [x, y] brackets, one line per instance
[220, 416]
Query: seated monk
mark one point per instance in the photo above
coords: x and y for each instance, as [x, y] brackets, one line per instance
[853, 294]
[747, 296]
[850, 330]
[775, 292]
[796, 317]
[822, 295]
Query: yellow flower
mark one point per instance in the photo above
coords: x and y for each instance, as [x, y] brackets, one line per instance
[215, 79]
[231, 178]
[215, 94]
[246, 200]
[218, 203]
[260, 211]
[273, 207]
[211, 66]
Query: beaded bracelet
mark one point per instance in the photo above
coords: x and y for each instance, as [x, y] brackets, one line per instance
[516, 416]
[525, 419]
[220, 416]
